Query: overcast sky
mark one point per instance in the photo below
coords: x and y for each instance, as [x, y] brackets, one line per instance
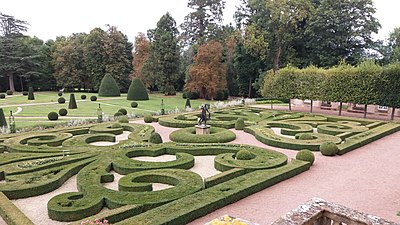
[49, 18]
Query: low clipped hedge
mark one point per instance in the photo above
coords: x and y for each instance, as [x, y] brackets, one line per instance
[11, 214]
[188, 135]
[306, 155]
[106, 128]
[52, 116]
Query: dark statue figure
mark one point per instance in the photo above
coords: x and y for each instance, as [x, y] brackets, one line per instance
[203, 115]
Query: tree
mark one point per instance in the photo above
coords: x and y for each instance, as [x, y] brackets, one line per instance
[204, 22]
[140, 57]
[247, 70]
[310, 82]
[389, 87]
[207, 75]
[394, 45]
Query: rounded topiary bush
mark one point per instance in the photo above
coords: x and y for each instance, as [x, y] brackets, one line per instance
[306, 136]
[123, 119]
[61, 100]
[9, 92]
[137, 91]
[328, 149]
[63, 112]
[52, 116]
[93, 98]
[83, 97]
[116, 125]
[155, 138]
[123, 111]
[118, 114]
[181, 117]
[148, 118]
[244, 155]
[239, 124]
[2, 96]
[60, 94]
[109, 87]
[134, 104]
[306, 155]
[25, 93]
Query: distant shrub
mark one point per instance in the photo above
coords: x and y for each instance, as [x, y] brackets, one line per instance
[190, 95]
[155, 138]
[118, 114]
[170, 90]
[123, 119]
[3, 121]
[134, 104]
[83, 97]
[9, 92]
[306, 155]
[93, 98]
[328, 149]
[116, 125]
[60, 93]
[72, 102]
[2, 96]
[63, 112]
[61, 100]
[109, 87]
[187, 104]
[137, 91]
[239, 124]
[25, 93]
[222, 95]
[244, 155]
[123, 111]
[52, 116]
[306, 136]
[148, 118]
[31, 95]
[181, 117]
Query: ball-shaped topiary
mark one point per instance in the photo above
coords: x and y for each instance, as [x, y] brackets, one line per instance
[31, 96]
[118, 114]
[63, 112]
[52, 116]
[148, 118]
[9, 92]
[2, 96]
[137, 91]
[328, 149]
[72, 102]
[3, 121]
[109, 87]
[123, 111]
[61, 100]
[83, 97]
[60, 94]
[244, 155]
[116, 125]
[306, 155]
[155, 138]
[181, 117]
[123, 119]
[306, 136]
[93, 98]
[134, 104]
[24, 93]
[239, 124]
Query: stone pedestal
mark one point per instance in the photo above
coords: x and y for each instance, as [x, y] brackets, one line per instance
[203, 129]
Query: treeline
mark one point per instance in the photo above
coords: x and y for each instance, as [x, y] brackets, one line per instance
[202, 57]
[367, 83]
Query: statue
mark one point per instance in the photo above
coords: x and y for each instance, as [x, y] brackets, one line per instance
[203, 115]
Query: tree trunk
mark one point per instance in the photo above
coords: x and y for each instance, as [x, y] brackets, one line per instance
[22, 84]
[278, 53]
[290, 105]
[11, 82]
[392, 116]
[340, 108]
[311, 106]
[365, 110]
[250, 88]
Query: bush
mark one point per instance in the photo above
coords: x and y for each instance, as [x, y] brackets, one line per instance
[134, 104]
[181, 117]
[155, 138]
[93, 98]
[306, 155]
[83, 97]
[52, 116]
[244, 155]
[9, 92]
[31, 96]
[118, 114]
[190, 95]
[187, 104]
[61, 100]
[170, 90]
[328, 149]
[25, 93]
[123, 119]
[222, 95]
[60, 93]
[148, 118]
[306, 136]
[63, 112]
[72, 102]
[188, 135]
[123, 111]
[2, 96]
[3, 121]
[239, 125]
[116, 125]
[137, 91]
[109, 87]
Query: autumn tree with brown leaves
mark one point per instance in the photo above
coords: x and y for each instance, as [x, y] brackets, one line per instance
[140, 57]
[207, 75]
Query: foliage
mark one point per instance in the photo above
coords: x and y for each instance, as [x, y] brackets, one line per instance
[244, 155]
[188, 135]
[148, 118]
[155, 138]
[118, 114]
[83, 97]
[246, 67]
[116, 125]
[3, 121]
[24, 93]
[187, 103]
[140, 57]
[93, 98]
[390, 85]
[306, 136]
[394, 46]
[328, 149]
[239, 125]
[134, 104]
[60, 94]
[306, 155]
[137, 91]
[52, 116]
[123, 119]
[123, 111]
[9, 92]
[2, 96]
[109, 87]
[63, 112]
[61, 100]
[31, 96]
[72, 102]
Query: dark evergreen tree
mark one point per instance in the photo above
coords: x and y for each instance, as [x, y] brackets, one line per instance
[137, 90]
[109, 87]
[72, 102]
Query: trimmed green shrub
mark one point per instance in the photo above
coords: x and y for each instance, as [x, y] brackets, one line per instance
[244, 155]
[181, 117]
[72, 102]
[52, 116]
[9, 92]
[93, 98]
[31, 96]
[239, 125]
[83, 97]
[60, 94]
[61, 100]
[123, 119]
[2, 96]
[306, 155]
[3, 121]
[187, 104]
[118, 114]
[63, 112]
[116, 125]
[328, 149]
[306, 136]
[148, 118]
[137, 91]
[190, 95]
[188, 135]
[24, 93]
[109, 87]
[155, 138]
[134, 104]
[123, 111]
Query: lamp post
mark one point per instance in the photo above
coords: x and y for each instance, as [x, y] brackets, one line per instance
[162, 107]
[99, 114]
[12, 123]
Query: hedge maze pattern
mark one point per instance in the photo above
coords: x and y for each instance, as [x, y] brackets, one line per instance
[33, 164]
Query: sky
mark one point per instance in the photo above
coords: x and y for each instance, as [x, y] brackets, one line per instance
[50, 18]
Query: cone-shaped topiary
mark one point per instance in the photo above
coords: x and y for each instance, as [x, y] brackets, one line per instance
[155, 138]
[187, 104]
[239, 124]
[109, 87]
[30, 94]
[137, 91]
[3, 121]
[72, 102]
[306, 155]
